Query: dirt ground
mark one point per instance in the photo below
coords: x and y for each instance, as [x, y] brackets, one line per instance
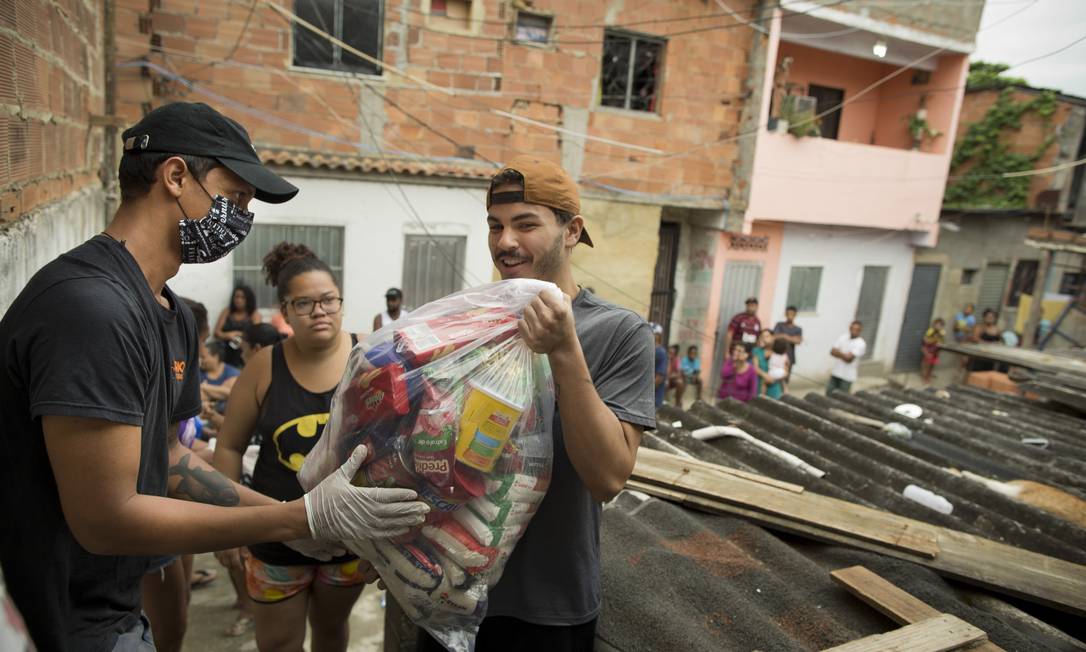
[211, 612]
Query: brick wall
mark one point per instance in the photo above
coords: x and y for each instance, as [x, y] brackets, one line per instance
[1064, 128]
[52, 81]
[701, 92]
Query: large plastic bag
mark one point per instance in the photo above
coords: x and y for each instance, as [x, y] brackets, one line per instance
[453, 404]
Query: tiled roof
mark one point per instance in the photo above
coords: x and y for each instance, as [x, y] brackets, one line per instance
[378, 165]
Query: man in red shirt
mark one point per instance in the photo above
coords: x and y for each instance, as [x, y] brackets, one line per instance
[744, 327]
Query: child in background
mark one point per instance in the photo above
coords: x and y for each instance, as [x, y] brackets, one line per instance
[779, 362]
[933, 338]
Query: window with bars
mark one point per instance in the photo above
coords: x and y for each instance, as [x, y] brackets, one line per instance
[433, 267]
[358, 23]
[803, 285]
[325, 241]
[631, 71]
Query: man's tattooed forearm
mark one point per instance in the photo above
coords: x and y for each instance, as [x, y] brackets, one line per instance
[202, 485]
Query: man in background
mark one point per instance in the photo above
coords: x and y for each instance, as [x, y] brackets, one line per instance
[393, 309]
[744, 327]
[848, 349]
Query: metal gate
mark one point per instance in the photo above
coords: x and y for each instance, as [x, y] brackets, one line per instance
[918, 309]
[663, 279]
[869, 307]
[741, 280]
[992, 285]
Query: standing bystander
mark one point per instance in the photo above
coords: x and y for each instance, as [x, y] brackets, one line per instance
[929, 348]
[848, 349]
[744, 327]
[659, 364]
[790, 332]
[394, 310]
[738, 379]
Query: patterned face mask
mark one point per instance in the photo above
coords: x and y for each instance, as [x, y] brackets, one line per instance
[223, 228]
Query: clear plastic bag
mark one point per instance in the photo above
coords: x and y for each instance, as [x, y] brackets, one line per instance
[453, 404]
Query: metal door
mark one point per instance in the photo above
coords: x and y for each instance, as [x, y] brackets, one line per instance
[663, 280]
[918, 308]
[992, 285]
[741, 280]
[869, 306]
[433, 267]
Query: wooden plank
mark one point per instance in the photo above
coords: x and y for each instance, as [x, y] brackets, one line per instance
[891, 601]
[746, 475]
[939, 634]
[706, 480]
[1064, 363]
[1028, 575]
[887, 599]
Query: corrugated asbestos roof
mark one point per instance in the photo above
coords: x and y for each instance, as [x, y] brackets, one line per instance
[377, 165]
[675, 578]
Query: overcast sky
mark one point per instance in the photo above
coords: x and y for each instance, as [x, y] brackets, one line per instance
[1046, 26]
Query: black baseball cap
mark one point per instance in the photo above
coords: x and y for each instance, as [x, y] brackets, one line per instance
[394, 293]
[196, 129]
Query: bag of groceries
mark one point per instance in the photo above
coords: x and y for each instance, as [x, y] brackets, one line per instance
[453, 404]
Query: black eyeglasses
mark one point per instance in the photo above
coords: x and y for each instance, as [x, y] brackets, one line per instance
[305, 306]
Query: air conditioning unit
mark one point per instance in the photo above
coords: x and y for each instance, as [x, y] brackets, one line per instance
[806, 105]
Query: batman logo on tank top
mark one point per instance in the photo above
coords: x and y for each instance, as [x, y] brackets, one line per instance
[294, 439]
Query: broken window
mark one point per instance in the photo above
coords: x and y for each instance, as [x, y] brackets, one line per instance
[357, 23]
[532, 28]
[631, 71]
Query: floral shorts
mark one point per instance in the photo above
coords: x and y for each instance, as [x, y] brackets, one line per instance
[270, 583]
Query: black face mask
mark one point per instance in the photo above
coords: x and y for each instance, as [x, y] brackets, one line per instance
[223, 228]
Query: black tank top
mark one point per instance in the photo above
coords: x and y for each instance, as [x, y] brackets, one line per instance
[291, 421]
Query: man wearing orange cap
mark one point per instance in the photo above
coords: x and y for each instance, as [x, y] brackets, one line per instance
[601, 357]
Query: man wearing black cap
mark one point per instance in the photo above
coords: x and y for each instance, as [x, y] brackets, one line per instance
[744, 327]
[99, 364]
[393, 309]
[601, 357]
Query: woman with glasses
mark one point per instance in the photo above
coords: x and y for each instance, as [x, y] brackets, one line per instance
[283, 396]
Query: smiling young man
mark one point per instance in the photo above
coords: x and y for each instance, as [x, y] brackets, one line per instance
[98, 364]
[601, 357]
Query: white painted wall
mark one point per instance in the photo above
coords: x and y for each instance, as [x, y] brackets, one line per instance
[44, 234]
[842, 253]
[375, 218]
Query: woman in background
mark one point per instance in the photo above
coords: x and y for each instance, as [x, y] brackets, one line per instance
[233, 320]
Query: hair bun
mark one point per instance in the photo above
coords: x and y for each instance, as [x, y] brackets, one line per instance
[280, 255]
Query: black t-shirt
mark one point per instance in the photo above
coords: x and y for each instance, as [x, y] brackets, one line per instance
[85, 338]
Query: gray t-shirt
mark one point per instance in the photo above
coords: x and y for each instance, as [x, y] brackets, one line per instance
[785, 328]
[553, 575]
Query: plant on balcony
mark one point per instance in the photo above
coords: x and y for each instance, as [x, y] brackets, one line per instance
[800, 122]
[919, 128]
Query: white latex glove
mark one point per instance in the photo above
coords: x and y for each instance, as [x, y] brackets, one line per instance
[317, 549]
[339, 511]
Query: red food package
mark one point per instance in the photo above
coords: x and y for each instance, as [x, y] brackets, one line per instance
[433, 439]
[377, 394]
[430, 340]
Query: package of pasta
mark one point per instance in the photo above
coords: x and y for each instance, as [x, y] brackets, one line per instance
[450, 402]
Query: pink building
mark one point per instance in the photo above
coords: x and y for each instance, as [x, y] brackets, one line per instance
[839, 200]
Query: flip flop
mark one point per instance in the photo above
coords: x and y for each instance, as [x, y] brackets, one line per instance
[241, 625]
[203, 577]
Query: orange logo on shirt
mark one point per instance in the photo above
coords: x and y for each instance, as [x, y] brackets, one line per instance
[179, 369]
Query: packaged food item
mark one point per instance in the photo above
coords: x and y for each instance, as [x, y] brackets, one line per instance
[377, 395]
[433, 440]
[451, 403]
[422, 342]
[485, 426]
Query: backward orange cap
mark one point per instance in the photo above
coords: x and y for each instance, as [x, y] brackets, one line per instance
[545, 183]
